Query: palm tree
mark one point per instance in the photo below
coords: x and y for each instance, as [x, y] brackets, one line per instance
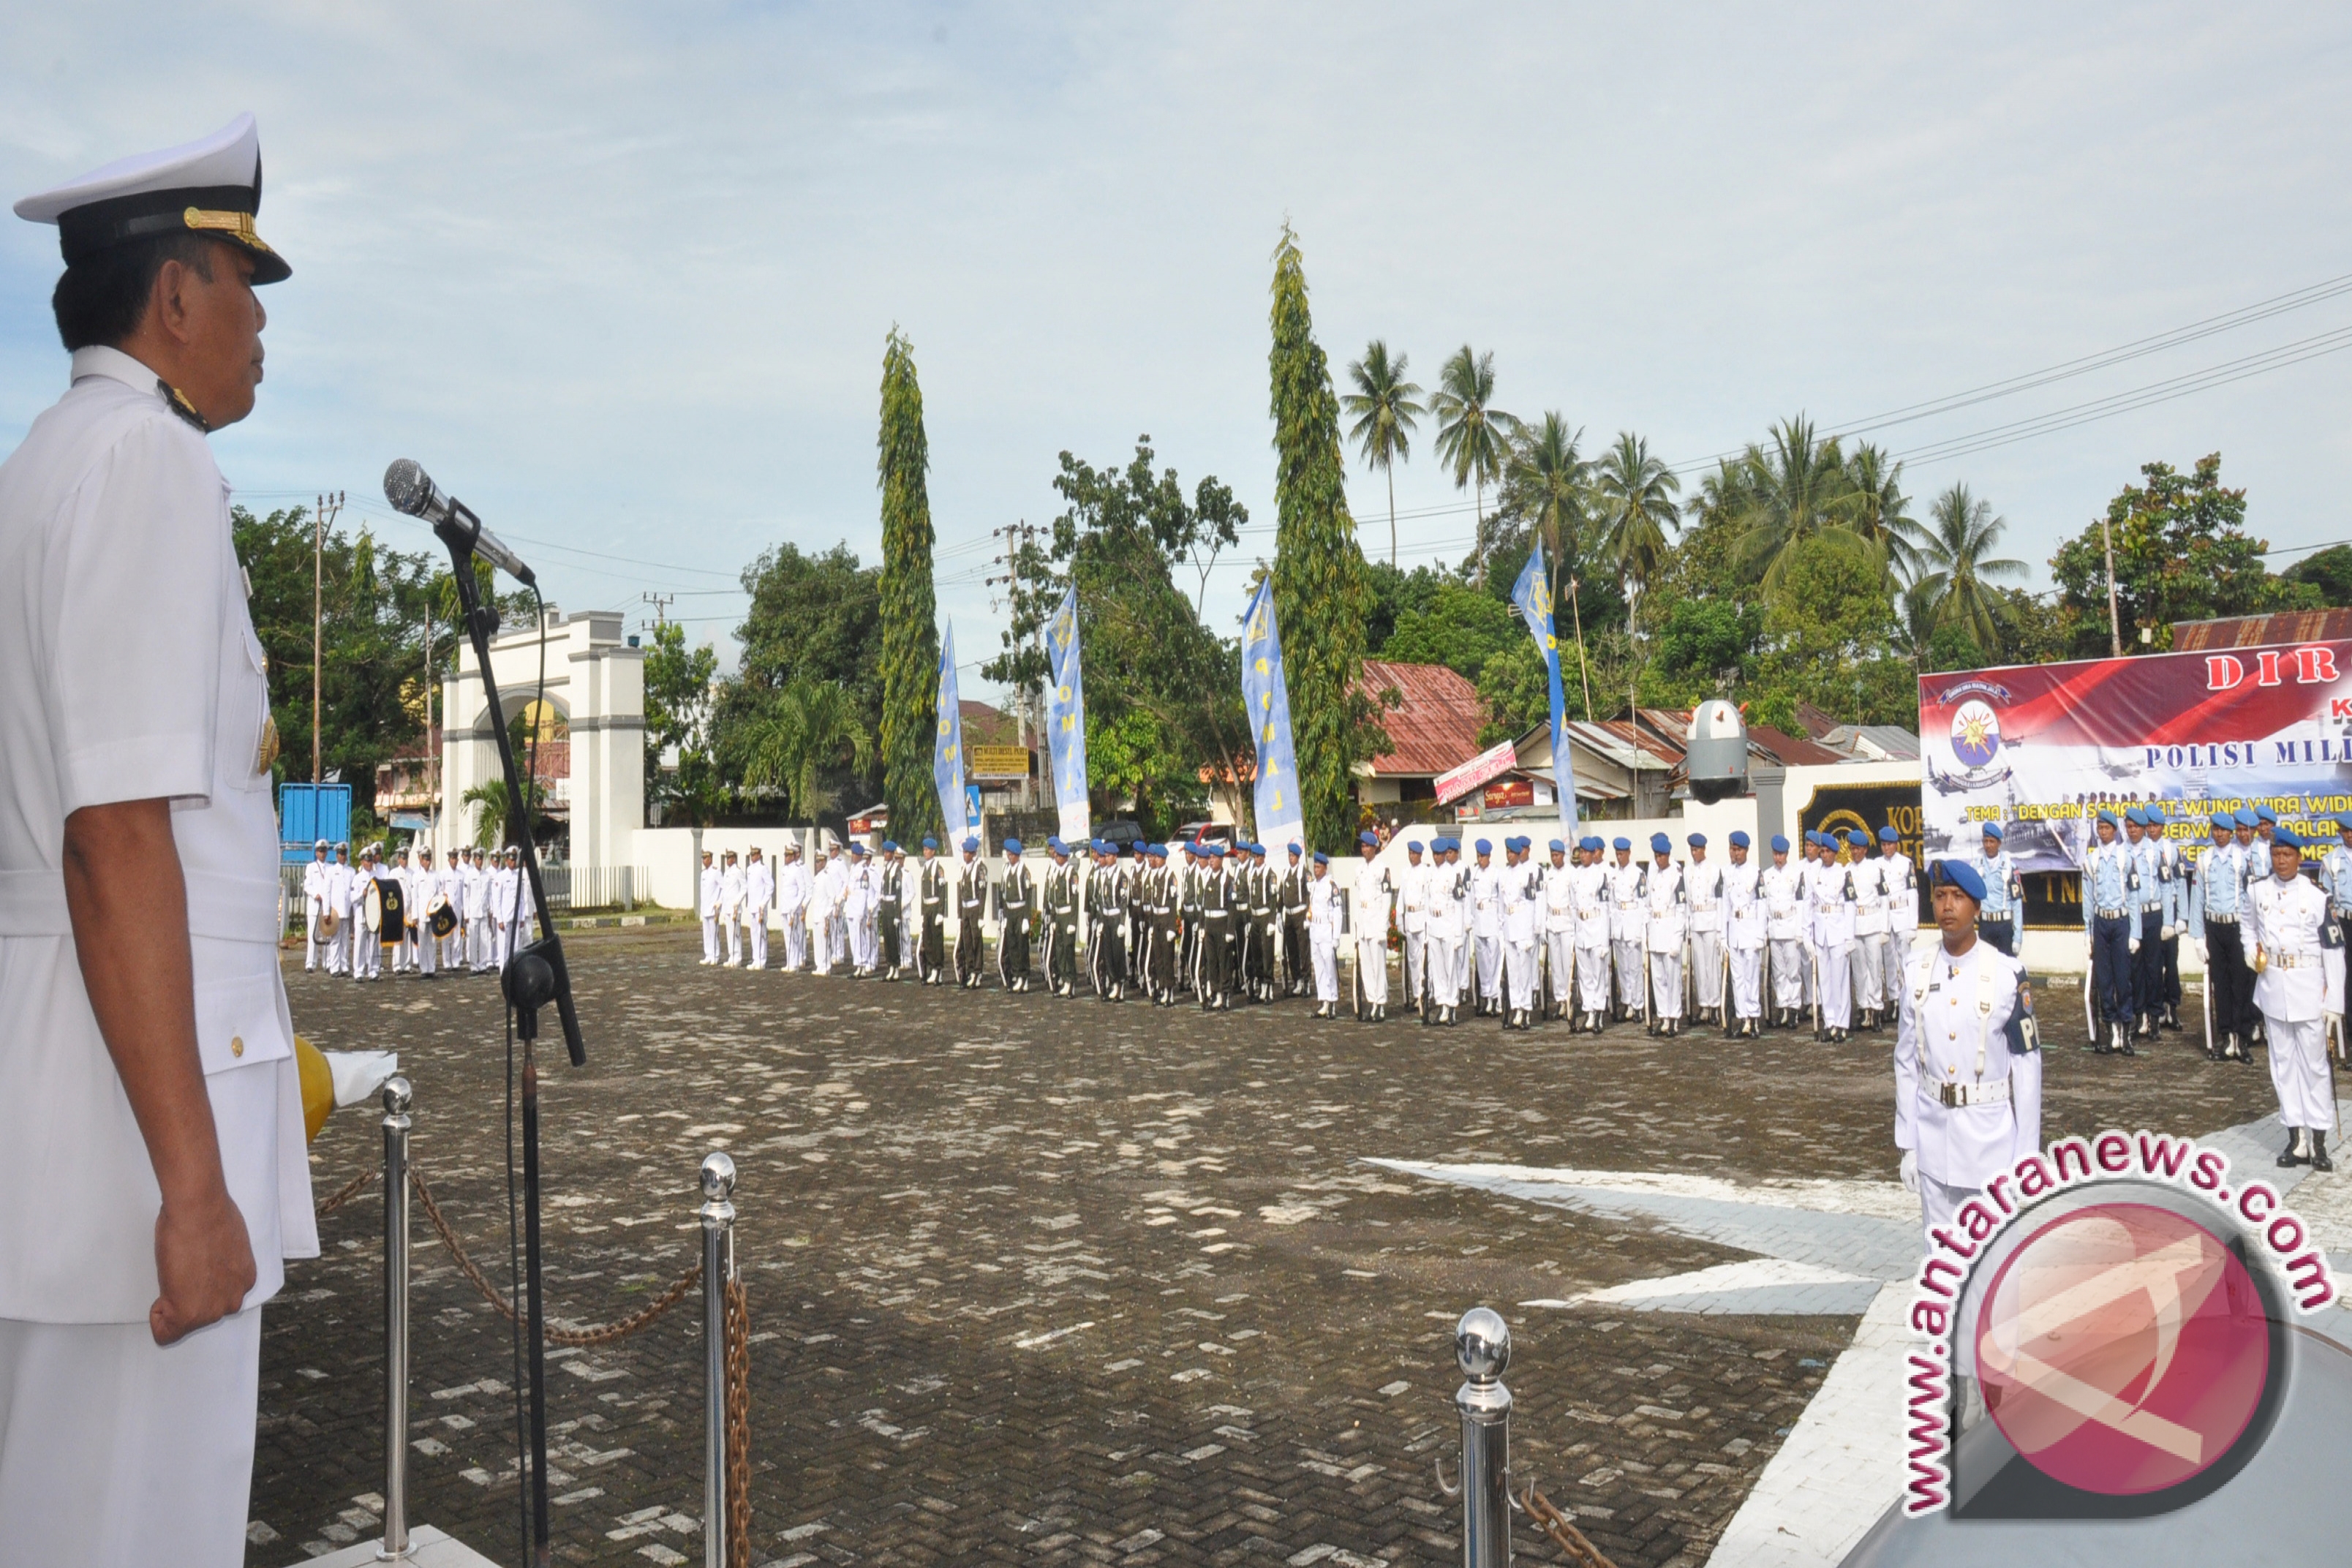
[1634, 494]
[1798, 490]
[490, 822]
[1546, 481]
[1952, 558]
[1386, 407]
[1881, 511]
[1472, 434]
[810, 725]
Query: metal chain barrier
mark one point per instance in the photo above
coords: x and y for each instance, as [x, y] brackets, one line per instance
[601, 1335]
[1562, 1530]
[357, 1185]
[739, 1427]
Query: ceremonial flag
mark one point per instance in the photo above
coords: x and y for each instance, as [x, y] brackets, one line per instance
[947, 758]
[1267, 698]
[1532, 594]
[1065, 720]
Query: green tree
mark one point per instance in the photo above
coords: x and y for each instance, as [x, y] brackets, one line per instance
[1830, 634]
[1953, 565]
[1792, 490]
[1319, 591]
[1462, 629]
[1879, 512]
[1386, 409]
[812, 618]
[1547, 483]
[908, 608]
[1633, 494]
[2182, 553]
[2328, 571]
[678, 707]
[810, 728]
[491, 809]
[1394, 594]
[1473, 435]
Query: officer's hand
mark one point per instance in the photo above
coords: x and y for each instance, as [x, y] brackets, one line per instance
[2134, 944]
[2200, 949]
[203, 1263]
[2168, 933]
[1911, 1170]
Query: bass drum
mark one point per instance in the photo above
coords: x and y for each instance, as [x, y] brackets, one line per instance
[441, 918]
[391, 910]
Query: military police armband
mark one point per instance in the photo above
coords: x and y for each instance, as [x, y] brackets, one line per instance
[2023, 1035]
[2331, 935]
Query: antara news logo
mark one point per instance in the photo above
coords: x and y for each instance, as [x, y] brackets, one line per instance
[2117, 1301]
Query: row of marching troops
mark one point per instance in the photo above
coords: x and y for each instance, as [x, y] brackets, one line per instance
[1583, 937]
[461, 916]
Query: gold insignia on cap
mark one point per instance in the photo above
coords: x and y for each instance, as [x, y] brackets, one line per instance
[237, 224]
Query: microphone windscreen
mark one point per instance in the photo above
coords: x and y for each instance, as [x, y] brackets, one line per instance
[408, 487]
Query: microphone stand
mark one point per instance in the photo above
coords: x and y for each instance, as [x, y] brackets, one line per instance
[532, 978]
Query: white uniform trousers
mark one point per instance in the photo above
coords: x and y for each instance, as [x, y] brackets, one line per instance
[866, 938]
[1519, 975]
[1666, 984]
[313, 947]
[759, 927]
[1373, 969]
[453, 947]
[796, 936]
[1325, 951]
[1837, 986]
[1559, 976]
[1789, 963]
[1592, 979]
[428, 947]
[1871, 955]
[116, 1452]
[2298, 1053]
[367, 953]
[1747, 982]
[734, 930]
[1444, 956]
[480, 942]
[339, 947]
[1415, 954]
[1487, 952]
[1632, 977]
[1706, 966]
[710, 937]
[1937, 1203]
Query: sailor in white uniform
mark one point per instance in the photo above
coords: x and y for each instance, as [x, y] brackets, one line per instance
[1521, 889]
[1372, 903]
[152, 1173]
[1413, 919]
[2293, 940]
[1967, 1060]
[1629, 924]
[1592, 939]
[758, 893]
[1323, 899]
[705, 893]
[1559, 933]
[1744, 919]
[1666, 903]
[731, 909]
[1782, 890]
[1703, 882]
[1485, 970]
[793, 891]
[339, 900]
[315, 877]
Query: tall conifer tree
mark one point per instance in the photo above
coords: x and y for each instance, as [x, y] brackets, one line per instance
[911, 635]
[1320, 590]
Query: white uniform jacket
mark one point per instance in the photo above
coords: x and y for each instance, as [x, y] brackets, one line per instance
[1668, 904]
[128, 671]
[2285, 920]
[1967, 1100]
[1744, 907]
[1783, 892]
[1521, 887]
[1561, 899]
[1703, 885]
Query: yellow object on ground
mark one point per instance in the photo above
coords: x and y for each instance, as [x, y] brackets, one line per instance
[317, 1085]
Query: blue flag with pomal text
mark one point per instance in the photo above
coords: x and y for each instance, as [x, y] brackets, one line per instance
[1065, 720]
[1532, 594]
[947, 753]
[1265, 697]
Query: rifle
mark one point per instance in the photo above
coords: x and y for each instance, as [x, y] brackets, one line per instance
[2205, 999]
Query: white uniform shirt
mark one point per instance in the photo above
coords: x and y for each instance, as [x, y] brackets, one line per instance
[709, 890]
[1783, 890]
[1703, 880]
[1449, 911]
[1560, 897]
[1412, 902]
[1743, 906]
[1869, 898]
[1950, 1029]
[1669, 907]
[758, 888]
[1629, 913]
[1368, 903]
[314, 886]
[730, 891]
[2284, 919]
[1521, 887]
[1591, 906]
[1901, 882]
[128, 671]
[1323, 912]
[793, 889]
[1486, 900]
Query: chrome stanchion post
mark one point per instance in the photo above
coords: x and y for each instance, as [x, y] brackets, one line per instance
[718, 1271]
[1482, 1345]
[397, 1098]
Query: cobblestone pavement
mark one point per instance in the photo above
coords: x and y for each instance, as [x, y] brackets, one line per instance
[1055, 1281]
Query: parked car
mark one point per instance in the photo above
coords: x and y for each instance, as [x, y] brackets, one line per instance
[1205, 832]
[1120, 833]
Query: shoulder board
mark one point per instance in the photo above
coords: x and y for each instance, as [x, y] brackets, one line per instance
[177, 402]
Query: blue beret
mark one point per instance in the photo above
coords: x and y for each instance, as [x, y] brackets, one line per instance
[1781, 842]
[1013, 847]
[1620, 842]
[1484, 847]
[1413, 846]
[2344, 824]
[1054, 842]
[2265, 814]
[890, 846]
[854, 848]
[1992, 830]
[2109, 818]
[1558, 848]
[1958, 874]
[1321, 858]
[1739, 840]
[2136, 814]
[1888, 835]
[972, 842]
[2286, 836]
[1858, 838]
[1660, 844]
[1294, 850]
[1699, 840]
[930, 842]
[2220, 822]
[1367, 836]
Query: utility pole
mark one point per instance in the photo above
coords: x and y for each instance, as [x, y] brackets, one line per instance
[329, 505]
[2115, 616]
[661, 604]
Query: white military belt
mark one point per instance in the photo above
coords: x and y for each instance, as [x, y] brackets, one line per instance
[2293, 960]
[1957, 1095]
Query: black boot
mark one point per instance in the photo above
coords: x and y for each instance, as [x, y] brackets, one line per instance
[2171, 1017]
[2294, 1155]
[2319, 1160]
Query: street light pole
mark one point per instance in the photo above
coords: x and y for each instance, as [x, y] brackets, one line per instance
[2115, 616]
[325, 515]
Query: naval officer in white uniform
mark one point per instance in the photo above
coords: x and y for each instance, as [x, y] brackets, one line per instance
[1967, 1060]
[152, 1176]
[2293, 939]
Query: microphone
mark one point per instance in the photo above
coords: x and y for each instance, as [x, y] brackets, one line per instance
[411, 489]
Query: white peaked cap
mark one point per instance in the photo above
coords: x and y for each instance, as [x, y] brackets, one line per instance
[209, 186]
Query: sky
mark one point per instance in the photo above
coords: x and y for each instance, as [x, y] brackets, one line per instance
[619, 275]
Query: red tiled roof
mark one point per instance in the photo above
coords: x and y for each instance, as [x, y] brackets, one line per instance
[1437, 727]
[984, 725]
[1790, 752]
[2255, 631]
